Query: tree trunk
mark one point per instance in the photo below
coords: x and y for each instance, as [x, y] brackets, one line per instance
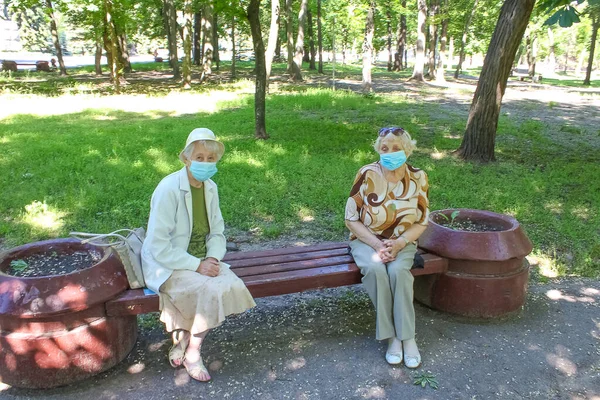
[55, 40]
[433, 37]
[580, 62]
[233, 55]
[530, 54]
[123, 51]
[401, 40]
[289, 29]
[569, 45]
[451, 54]
[277, 55]
[390, 64]
[115, 73]
[463, 41]
[320, 36]
[480, 134]
[197, 37]
[345, 35]
[299, 51]
[172, 18]
[367, 85]
[207, 13]
[311, 40]
[588, 73]
[106, 43]
[420, 54]
[551, 51]
[187, 44]
[261, 72]
[273, 34]
[215, 39]
[440, 73]
[98, 59]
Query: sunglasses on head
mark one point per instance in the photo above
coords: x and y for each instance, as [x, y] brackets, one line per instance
[393, 130]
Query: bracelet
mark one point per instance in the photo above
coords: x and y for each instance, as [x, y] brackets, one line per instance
[406, 242]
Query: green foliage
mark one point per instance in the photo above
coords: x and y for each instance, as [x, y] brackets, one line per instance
[34, 27]
[19, 265]
[425, 379]
[451, 219]
[563, 11]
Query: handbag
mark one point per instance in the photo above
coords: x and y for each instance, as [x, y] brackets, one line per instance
[128, 248]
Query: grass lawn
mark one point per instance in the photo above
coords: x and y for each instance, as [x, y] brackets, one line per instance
[85, 161]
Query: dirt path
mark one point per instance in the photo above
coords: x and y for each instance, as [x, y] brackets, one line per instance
[320, 345]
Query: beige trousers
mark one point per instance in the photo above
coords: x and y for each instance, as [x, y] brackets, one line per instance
[390, 287]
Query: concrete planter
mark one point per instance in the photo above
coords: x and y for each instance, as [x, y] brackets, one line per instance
[54, 329]
[487, 272]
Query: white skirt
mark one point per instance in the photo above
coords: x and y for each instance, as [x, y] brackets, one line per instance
[196, 303]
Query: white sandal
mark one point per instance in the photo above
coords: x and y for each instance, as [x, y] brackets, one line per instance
[195, 369]
[177, 354]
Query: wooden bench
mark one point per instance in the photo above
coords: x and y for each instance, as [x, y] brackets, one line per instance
[10, 65]
[280, 271]
[526, 77]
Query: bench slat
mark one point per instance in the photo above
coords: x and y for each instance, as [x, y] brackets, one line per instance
[292, 266]
[302, 280]
[288, 258]
[288, 250]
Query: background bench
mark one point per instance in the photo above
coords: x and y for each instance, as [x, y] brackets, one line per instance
[40, 65]
[280, 271]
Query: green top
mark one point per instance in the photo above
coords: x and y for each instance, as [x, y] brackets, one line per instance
[200, 227]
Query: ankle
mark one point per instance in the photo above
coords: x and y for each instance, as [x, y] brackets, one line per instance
[410, 346]
[192, 357]
[394, 345]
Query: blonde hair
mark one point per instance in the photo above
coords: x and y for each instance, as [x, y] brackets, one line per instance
[407, 143]
[210, 145]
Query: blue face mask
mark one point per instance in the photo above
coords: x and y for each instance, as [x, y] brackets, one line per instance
[203, 171]
[393, 161]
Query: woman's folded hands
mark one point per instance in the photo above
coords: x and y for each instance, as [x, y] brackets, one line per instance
[209, 267]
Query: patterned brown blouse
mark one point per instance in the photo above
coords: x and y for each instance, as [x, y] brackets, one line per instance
[385, 208]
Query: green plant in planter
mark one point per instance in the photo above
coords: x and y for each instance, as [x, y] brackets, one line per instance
[451, 220]
[18, 265]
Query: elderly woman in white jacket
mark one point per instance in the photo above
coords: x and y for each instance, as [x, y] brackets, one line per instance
[182, 254]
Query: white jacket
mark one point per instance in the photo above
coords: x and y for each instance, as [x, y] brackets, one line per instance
[170, 229]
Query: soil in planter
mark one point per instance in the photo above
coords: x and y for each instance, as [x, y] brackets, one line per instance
[53, 263]
[471, 226]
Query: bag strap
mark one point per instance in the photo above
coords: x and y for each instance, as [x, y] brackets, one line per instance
[93, 237]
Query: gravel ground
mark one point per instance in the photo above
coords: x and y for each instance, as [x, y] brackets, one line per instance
[320, 345]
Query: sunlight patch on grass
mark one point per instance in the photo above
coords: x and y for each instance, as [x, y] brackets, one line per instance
[438, 155]
[159, 161]
[40, 216]
[554, 206]
[174, 104]
[581, 212]
[547, 266]
[306, 214]
[243, 158]
[105, 118]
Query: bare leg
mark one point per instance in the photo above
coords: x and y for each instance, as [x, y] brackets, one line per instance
[193, 360]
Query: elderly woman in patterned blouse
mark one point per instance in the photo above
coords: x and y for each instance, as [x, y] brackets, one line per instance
[386, 212]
